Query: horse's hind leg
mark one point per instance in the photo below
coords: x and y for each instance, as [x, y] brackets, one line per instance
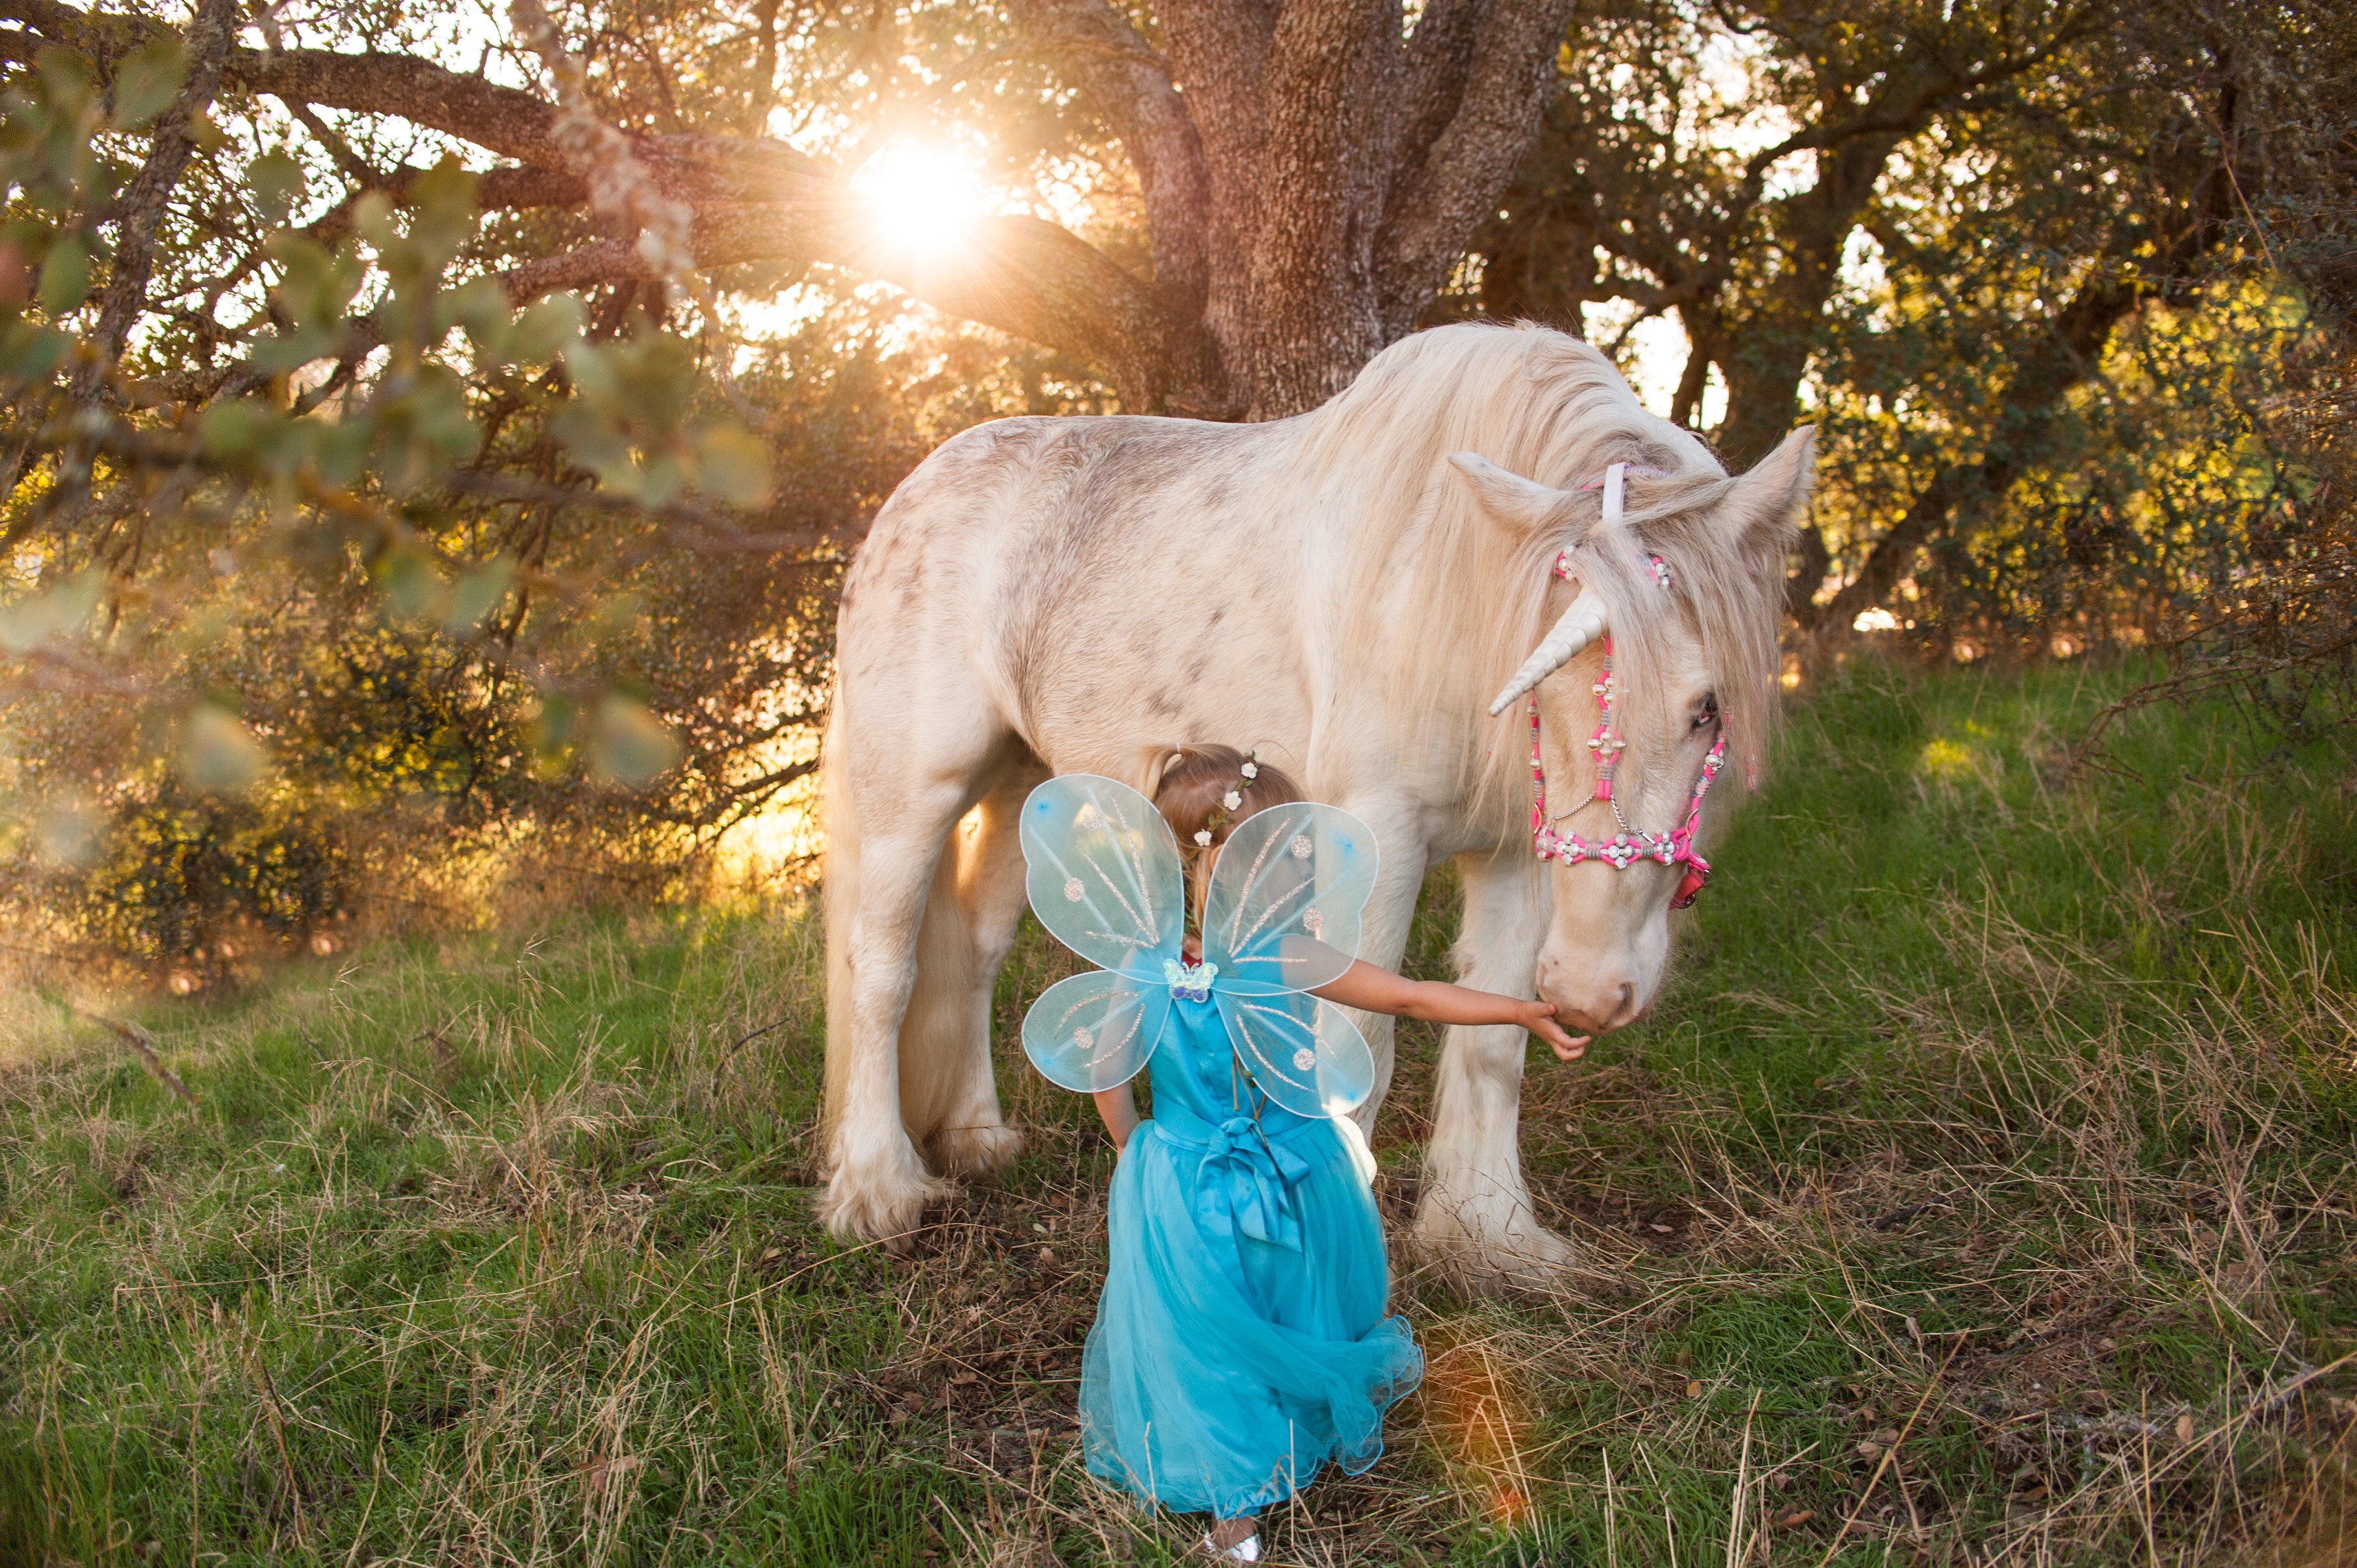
[947, 1094]
[890, 811]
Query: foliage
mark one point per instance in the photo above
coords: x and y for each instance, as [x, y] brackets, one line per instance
[2035, 273]
[1981, 1188]
[366, 559]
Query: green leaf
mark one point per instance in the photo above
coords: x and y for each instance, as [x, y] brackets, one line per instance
[426, 426]
[281, 353]
[240, 429]
[410, 582]
[314, 285]
[56, 612]
[444, 215]
[30, 354]
[67, 833]
[732, 465]
[545, 330]
[146, 80]
[278, 182]
[481, 306]
[596, 442]
[593, 372]
[217, 753]
[476, 594]
[341, 450]
[65, 274]
[627, 744]
[656, 380]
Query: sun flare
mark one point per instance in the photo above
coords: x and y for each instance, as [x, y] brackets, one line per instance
[921, 197]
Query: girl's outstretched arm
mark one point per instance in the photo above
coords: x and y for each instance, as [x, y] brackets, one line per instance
[1118, 1107]
[1376, 989]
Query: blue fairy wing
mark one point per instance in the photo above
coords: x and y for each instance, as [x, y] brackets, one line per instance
[1094, 1031]
[1103, 872]
[1286, 892]
[1305, 1054]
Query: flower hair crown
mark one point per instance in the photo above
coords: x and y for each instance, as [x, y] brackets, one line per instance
[1231, 802]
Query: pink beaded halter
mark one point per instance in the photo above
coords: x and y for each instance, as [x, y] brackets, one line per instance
[1631, 844]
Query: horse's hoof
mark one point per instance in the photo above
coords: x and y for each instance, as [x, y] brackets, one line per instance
[884, 1209]
[976, 1151]
[1520, 1258]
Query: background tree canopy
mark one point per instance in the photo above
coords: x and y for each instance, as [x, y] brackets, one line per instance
[434, 432]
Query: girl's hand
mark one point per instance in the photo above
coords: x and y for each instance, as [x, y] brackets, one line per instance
[1538, 1017]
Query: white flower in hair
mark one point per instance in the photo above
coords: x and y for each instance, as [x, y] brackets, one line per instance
[1231, 800]
[1252, 770]
[1203, 837]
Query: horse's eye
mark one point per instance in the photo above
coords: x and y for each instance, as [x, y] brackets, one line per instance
[1706, 712]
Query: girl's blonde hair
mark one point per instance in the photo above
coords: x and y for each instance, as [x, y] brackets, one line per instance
[1189, 784]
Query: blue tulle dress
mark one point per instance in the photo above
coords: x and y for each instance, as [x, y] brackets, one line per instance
[1242, 1341]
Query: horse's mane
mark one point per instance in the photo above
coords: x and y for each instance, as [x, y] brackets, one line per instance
[1449, 600]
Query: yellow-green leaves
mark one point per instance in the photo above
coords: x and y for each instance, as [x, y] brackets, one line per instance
[275, 181]
[476, 594]
[732, 465]
[146, 81]
[65, 274]
[627, 425]
[218, 753]
[58, 611]
[627, 744]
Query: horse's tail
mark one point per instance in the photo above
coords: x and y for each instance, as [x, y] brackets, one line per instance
[839, 888]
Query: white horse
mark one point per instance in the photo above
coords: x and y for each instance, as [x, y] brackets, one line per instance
[1348, 591]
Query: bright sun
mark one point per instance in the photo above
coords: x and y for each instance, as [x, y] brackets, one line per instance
[920, 197]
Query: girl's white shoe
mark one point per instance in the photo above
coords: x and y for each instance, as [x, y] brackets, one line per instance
[1245, 1551]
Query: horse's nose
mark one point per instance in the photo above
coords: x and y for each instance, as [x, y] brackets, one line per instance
[1607, 1006]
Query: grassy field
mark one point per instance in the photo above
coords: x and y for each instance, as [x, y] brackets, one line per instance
[1982, 1193]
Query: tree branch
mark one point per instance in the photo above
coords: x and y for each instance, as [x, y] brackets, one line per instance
[754, 200]
[141, 207]
[1131, 86]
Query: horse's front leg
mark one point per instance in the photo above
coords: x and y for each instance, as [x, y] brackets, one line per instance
[1476, 1218]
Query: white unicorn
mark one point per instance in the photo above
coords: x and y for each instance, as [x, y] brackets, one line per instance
[1348, 591]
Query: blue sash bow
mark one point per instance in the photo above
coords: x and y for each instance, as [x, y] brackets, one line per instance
[1244, 1185]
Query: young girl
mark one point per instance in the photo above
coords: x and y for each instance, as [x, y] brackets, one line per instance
[1241, 1341]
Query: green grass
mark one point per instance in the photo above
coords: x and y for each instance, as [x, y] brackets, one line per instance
[2011, 1113]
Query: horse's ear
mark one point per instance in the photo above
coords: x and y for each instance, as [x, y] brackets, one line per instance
[1762, 511]
[1510, 498]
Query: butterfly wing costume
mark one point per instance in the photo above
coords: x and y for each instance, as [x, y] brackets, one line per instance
[1282, 918]
[1242, 1341]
